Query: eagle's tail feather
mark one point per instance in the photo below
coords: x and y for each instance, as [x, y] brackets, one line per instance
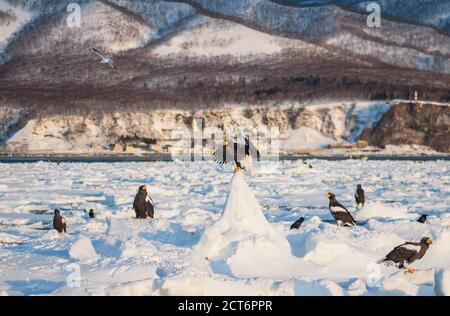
[382, 261]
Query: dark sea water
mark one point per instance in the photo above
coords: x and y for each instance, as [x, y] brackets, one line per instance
[168, 158]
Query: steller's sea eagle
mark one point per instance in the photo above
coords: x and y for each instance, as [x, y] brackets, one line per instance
[241, 154]
[339, 212]
[360, 199]
[59, 223]
[407, 253]
[143, 204]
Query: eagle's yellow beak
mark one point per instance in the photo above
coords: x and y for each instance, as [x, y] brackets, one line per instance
[327, 195]
[429, 241]
[225, 142]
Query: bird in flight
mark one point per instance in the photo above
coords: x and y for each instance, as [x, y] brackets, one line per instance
[241, 154]
[105, 59]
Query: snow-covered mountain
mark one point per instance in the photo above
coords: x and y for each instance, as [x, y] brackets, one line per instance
[193, 55]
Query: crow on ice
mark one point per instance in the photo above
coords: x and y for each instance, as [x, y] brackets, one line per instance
[59, 223]
[339, 212]
[298, 223]
[241, 154]
[407, 253]
[105, 59]
[143, 204]
[422, 219]
[359, 196]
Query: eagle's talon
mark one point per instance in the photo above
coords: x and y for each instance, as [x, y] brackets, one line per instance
[237, 169]
[410, 270]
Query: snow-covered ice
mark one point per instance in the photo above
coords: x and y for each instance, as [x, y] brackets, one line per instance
[241, 239]
[240, 223]
[82, 249]
[442, 282]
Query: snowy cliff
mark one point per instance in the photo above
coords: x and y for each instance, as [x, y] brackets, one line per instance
[301, 127]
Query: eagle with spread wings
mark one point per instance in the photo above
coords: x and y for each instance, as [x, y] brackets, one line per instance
[241, 153]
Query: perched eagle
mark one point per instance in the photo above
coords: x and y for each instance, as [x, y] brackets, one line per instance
[359, 196]
[241, 154]
[339, 212]
[59, 223]
[407, 253]
[298, 223]
[143, 204]
[91, 213]
[422, 219]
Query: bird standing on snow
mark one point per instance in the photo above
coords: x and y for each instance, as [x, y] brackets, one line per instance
[298, 223]
[105, 59]
[359, 196]
[59, 223]
[339, 212]
[91, 213]
[143, 204]
[423, 218]
[407, 253]
[241, 154]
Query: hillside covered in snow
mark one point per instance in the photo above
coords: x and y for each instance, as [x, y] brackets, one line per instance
[198, 54]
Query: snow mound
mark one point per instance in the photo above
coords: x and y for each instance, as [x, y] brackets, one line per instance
[407, 284]
[9, 239]
[399, 285]
[442, 282]
[380, 210]
[136, 288]
[243, 236]
[326, 252]
[52, 234]
[6, 290]
[82, 249]
[216, 286]
[437, 255]
[98, 227]
[317, 288]
[305, 138]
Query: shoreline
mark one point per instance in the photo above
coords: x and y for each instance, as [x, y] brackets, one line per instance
[58, 158]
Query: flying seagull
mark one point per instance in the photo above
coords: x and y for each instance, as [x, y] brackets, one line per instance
[241, 154]
[105, 59]
[407, 253]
